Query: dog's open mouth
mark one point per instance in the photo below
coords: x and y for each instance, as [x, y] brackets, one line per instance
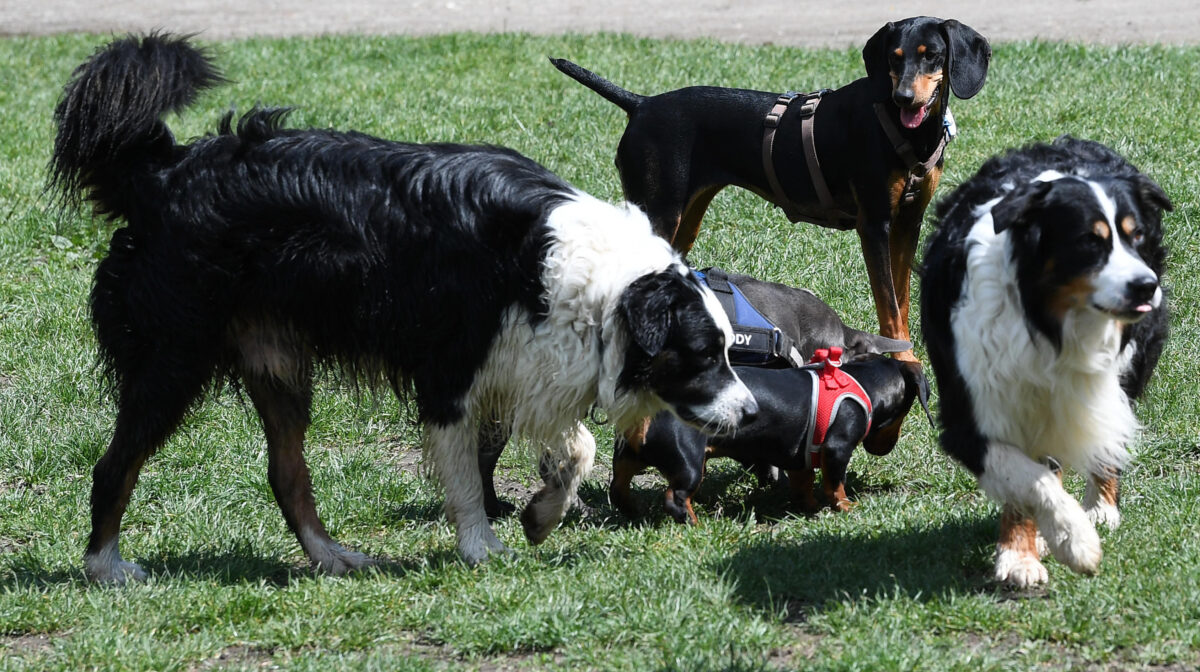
[914, 117]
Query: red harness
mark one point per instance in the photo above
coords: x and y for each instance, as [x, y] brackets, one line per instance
[831, 386]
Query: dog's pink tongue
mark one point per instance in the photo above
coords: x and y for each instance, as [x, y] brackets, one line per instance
[913, 118]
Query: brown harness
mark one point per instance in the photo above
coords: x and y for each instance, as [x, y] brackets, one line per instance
[917, 170]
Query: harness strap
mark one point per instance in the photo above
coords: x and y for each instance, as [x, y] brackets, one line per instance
[757, 340]
[814, 163]
[918, 170]
[771, 123]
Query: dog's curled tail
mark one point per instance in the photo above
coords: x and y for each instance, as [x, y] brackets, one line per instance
[626, 100]
[109, 115]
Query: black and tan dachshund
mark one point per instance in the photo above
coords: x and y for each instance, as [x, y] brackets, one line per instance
[877, 140]
[780, 435]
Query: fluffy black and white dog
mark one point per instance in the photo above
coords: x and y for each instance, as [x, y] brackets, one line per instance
[471, 277]
[1043, 315]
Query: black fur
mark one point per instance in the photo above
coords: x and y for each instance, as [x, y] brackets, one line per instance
[260, 253]
[777, 434]
[681, 147]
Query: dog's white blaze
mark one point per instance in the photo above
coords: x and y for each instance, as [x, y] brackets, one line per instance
[1067, 405]
[1010, 476]
[725, 411]
[1123, 266]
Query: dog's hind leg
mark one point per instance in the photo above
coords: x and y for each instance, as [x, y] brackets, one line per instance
[152, 401]
[1035, 491]
[562, 473]
[454, 452]
[284, 409]
[1102, 498]
[493, 436]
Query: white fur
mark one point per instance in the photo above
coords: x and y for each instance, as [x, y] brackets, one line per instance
[1067, 405]
[1032, 401]
[541, 379]
[106, 566]
[1011, 477]
[329, 556]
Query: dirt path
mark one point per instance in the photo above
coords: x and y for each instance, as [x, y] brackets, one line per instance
[787, 22]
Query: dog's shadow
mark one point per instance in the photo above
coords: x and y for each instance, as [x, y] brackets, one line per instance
[239, 564]
[797, 577]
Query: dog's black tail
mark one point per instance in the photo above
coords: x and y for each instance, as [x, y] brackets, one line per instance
[108, 117]
[626, 100]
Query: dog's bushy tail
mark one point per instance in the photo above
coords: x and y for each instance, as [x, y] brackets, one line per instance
[626, 100]
[109, 115]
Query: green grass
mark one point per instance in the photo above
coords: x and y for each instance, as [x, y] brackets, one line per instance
[900, 583]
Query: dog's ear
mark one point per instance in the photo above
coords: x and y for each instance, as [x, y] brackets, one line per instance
[646, 308]
[969, 57]
[1151, 196]
[915, 375]
[876, 61]
[1014, 209]
[884, 345]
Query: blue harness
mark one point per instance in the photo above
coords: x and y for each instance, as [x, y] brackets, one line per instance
[756, 340]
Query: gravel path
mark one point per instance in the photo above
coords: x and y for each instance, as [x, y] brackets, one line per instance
[788, 22]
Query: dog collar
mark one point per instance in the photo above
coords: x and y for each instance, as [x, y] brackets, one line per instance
[831, 386]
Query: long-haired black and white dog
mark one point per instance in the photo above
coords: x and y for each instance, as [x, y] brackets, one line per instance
[471, 277]
[1043, 314]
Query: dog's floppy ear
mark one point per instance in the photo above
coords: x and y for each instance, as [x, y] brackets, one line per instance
[646, 308]
[970, 54]
[1013, 210]
[1150, 195]
[876, 61]
[916, 376]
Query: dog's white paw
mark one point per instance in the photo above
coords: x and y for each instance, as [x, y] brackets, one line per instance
[1019, 570]
[1072, 538]
[337, 561]
[478, 545]
[110, 569]
[1103, 513]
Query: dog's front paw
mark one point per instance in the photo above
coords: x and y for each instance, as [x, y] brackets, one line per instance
[1019, 570]
[338, 561]
[1072, 539]
[111, 570]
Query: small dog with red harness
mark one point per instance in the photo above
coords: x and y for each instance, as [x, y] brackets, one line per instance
[867, 158]
[808, 418]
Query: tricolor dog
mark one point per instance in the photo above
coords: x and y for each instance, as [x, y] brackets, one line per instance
[501, 298]
[1043, 313]
[866, 156]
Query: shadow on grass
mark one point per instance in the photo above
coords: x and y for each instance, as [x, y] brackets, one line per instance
[237, 565]
[799, 576]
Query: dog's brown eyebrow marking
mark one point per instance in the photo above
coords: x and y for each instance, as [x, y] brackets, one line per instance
[921, 49]
[1128, 225]
[899, 51]
[1100, 228]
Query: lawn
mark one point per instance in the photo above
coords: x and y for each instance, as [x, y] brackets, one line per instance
[900, 583]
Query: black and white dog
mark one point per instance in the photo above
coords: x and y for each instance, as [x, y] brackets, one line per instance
[494, 292]
[1043, 315]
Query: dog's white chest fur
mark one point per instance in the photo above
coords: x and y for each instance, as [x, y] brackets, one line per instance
[1066, 404]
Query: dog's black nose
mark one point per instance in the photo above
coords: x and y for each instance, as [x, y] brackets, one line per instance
[1141, 290]
[904, 97]
[750, 411]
